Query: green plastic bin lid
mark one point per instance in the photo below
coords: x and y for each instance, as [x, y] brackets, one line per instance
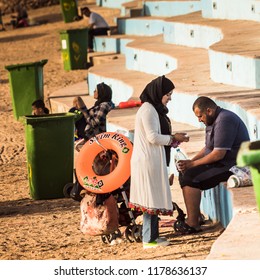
[30, 64]
[249, 154]
[31, 119]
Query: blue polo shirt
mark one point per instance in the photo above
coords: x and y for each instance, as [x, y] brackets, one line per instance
[226, 133]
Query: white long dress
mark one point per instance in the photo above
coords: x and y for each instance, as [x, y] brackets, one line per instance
[149, 190]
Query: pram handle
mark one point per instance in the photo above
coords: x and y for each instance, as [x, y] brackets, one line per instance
[78, 143]
[96, 140]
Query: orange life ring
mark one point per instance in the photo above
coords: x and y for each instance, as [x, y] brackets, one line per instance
[84, 166]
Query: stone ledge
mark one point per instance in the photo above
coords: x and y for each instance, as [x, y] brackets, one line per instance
[243, 227]
[240, 240]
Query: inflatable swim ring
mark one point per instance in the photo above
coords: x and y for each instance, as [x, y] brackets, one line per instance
[93, 182]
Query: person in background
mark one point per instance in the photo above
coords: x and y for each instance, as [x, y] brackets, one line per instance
[1, 20]
[225, 132]
[94, 117]
[97, 26]
[153, 139]
[38, 108]
[21, 17]
[80, 121]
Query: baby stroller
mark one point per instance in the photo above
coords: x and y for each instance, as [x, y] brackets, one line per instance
[103, 170]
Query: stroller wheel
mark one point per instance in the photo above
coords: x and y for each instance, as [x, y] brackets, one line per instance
[106, 238]
[67, 189]
[137, 233]
[109, 237]
[116, 234]
[128, 234]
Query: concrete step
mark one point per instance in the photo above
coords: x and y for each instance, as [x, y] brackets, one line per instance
[189, 83]
[97, 58]
[133, 8]
[233, 53]
[242, 231]
[114, 43]
[171, 8]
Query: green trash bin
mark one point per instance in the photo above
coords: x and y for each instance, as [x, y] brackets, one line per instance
[50, 152]
[249, 155]
[26, 85]
[69, 10]
[74, 47]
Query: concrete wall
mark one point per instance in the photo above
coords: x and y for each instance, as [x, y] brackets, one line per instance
[111, 3]
[140, 26]
[191, 35]
[170, 8]
[235, 70]
[149, 62]
[111, 44]
[231, 9]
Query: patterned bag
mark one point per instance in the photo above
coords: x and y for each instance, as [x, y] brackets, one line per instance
[98, 218]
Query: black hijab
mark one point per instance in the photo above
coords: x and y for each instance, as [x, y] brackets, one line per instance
[153, 93]
[104, 93]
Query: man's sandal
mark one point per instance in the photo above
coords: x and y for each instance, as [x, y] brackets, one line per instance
[182, 228]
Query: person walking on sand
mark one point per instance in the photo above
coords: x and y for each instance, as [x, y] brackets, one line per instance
[225, 132]
[153, 139]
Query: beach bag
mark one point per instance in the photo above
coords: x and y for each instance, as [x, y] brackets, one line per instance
[98, 216]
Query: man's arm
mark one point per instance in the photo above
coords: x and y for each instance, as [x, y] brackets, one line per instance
[200, 154]
[214, 156]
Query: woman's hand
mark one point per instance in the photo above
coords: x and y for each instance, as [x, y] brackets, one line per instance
[78, 102]
[181, 137]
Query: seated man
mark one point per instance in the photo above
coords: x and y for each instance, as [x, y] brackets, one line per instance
[225, 132]
[97, 26]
